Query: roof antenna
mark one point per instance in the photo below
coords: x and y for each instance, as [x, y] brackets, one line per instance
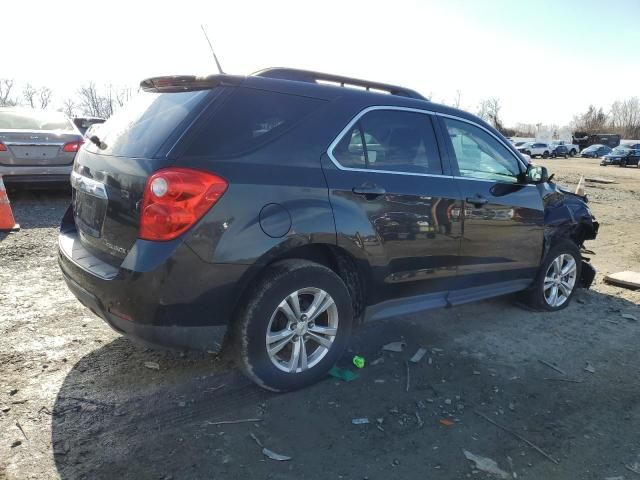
[211, 47]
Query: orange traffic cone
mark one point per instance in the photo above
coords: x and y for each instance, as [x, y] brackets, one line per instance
[7, 222]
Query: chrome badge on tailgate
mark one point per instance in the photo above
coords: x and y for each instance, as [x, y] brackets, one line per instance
[89, 204]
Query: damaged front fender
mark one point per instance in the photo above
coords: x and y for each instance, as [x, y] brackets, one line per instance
[567, 217]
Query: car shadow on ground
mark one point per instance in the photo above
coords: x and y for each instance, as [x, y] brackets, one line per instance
[115, 417]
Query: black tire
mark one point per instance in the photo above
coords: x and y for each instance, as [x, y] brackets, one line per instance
[252, 323]
[534, 296]
[545, 155]
[573, 153]
[566, 156]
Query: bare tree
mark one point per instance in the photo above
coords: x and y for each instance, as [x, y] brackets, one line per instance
[624, 117]
[45, 95]
[102, 104]
[89, 100]
[483, 110]
[456, 99]
[123, 96]
[489, 110]
[29, 95]
[6, 85]
[69, 106]
[525, 130]
[93, 103]
[594, 120]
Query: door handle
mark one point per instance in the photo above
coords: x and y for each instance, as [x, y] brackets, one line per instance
[370, 191]
[477, 201]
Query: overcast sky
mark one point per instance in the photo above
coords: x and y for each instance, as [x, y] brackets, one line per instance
[545, 59]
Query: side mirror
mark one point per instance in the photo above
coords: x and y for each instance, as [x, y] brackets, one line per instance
[537, 174]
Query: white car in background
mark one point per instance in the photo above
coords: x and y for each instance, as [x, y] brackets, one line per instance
[534, 149]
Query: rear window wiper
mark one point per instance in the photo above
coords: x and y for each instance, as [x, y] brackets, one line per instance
[99, 143]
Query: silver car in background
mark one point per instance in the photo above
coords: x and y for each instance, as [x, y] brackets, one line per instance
[37, 146]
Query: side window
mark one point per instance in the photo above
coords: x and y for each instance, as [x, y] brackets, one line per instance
[349, 152]
[480, 155]
[391, 140]
[249, 119]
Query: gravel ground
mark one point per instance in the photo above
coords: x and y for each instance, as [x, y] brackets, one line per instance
[76, 400]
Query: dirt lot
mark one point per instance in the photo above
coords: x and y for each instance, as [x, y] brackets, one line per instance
[76, 400]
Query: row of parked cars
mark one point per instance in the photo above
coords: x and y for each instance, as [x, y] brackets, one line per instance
[623, 155]
[546, 150]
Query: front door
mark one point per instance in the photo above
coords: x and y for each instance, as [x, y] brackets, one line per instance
[503, 216]
[394, 206]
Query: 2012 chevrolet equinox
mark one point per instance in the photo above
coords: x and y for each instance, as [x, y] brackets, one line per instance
[291, 207]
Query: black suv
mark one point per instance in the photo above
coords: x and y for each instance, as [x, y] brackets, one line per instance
[293, 205]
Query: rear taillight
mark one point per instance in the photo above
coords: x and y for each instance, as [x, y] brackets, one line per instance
[176, 198]
[3, 147]
[72, 146]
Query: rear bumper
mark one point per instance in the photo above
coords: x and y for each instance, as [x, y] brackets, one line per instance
[37, 174]
[179, 301]
[197, 338]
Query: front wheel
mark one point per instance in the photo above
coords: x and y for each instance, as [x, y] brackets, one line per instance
[294, 327]
[545, 155]
[557, 278]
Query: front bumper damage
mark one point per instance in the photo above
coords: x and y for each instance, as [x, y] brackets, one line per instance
[567, 216]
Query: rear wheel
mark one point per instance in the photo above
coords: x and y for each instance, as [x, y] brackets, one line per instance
[557, 278]
[573, 152]
[294, 327]
[545, 155]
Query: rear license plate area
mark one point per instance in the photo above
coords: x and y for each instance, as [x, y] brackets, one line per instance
[89, 212]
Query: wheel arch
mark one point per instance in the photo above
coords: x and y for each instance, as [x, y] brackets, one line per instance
[352, 272]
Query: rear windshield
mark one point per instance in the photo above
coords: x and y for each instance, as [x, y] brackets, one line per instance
[36, 120]
[143, 125]
[248, 120]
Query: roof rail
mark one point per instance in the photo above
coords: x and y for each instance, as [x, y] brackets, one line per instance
[318, 77]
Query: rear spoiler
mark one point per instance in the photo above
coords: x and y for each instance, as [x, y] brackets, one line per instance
[184, 83]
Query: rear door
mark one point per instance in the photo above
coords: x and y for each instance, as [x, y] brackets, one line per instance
[503, 216]
[393, 203]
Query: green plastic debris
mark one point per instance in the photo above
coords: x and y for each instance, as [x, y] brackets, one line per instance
[358, 361]
[343, 374]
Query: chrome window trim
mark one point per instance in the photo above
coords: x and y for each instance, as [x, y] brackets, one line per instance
[88, 185]
[493, 182]
[350, 125]
[363, 112]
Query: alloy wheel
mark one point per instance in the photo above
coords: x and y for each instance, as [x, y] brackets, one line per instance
[302, 330]
[560, 280]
